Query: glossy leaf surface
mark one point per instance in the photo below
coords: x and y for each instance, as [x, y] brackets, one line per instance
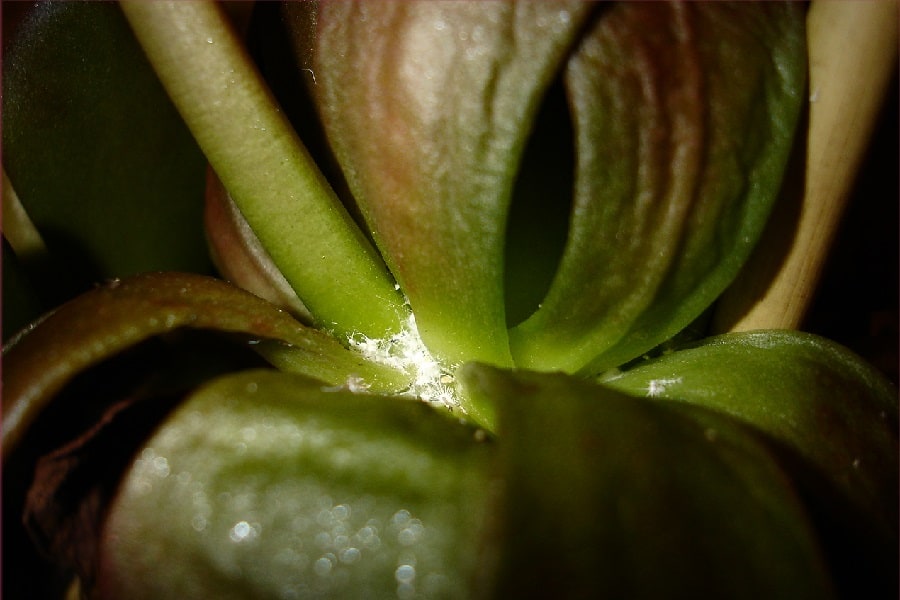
[265, 485]
[608, 495]
[824, 402]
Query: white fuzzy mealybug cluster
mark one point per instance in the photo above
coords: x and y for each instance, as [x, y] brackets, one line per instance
[405, 351]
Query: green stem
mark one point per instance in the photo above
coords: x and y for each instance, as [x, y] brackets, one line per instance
[265, 167]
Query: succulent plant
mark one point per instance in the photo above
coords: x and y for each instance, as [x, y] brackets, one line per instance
[481, 242]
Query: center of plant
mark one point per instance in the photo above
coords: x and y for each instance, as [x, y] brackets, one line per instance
[405, 351]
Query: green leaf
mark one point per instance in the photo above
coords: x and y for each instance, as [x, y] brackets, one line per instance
[269, 174]
[266, 485]
[97, 153]
[817, 397]
[607, 495]
[684, 115]
[427, 107]
[119, 315]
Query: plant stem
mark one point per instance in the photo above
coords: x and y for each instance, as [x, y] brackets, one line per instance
[265, 167]
[852, 57]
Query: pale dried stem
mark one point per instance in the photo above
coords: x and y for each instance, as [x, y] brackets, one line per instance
[852, 58]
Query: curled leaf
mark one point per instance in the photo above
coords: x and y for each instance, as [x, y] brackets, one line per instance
[427, 108]
[684, 115]
[122, 313]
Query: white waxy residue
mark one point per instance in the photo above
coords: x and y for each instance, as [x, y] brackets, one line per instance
[406, 351]
[657, 387]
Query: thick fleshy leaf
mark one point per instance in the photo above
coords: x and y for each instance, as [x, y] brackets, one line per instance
[684, 115]
[100, 159]
[427, 106]
[122, 313]
[836, 411]
[267, 485]
[608, 495]
[267, 170]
